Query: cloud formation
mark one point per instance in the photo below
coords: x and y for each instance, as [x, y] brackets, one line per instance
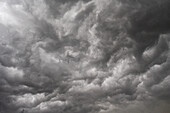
[78, 56]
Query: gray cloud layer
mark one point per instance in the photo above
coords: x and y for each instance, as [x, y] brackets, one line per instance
[78, 56]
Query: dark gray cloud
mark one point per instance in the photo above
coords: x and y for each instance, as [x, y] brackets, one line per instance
[78, 56]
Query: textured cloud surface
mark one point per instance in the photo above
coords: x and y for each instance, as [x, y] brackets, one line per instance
[84, 56]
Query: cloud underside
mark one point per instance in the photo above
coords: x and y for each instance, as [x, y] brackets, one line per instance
[78, 56]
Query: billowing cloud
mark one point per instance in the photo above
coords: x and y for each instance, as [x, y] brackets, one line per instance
[84, 56]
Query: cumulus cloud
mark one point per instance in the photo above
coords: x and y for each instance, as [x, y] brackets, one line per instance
[84, 56]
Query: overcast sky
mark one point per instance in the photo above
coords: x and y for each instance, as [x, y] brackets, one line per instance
[84, 56]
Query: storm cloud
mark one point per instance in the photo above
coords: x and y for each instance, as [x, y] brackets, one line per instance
[84, 56]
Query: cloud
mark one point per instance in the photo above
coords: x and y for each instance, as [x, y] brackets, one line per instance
[84, 56]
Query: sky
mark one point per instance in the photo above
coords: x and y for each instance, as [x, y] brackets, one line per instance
[84, 56]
